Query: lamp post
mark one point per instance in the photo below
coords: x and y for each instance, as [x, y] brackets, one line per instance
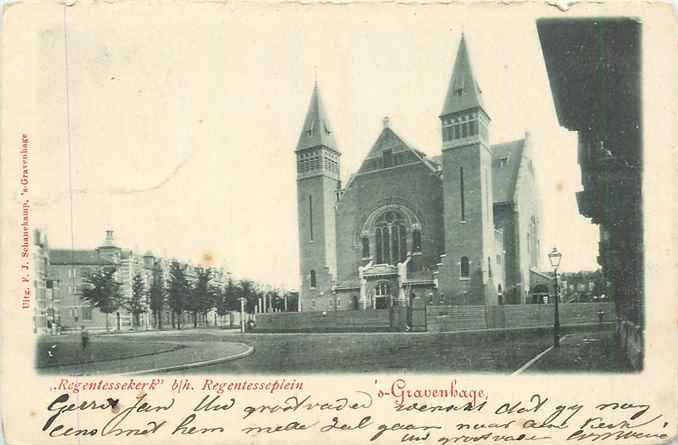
[554, 258]
[242, 314]
[333, 287]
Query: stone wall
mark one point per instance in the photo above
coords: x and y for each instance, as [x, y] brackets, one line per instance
[324, 321]
[452, 318]
[438, 318]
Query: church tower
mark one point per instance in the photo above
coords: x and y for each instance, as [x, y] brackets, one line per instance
[318, 184]
[465, 274]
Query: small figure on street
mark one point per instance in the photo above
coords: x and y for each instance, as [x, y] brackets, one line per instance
[250, 325]
[84, 342]
[84, 338]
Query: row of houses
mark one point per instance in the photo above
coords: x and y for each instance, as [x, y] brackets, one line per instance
[59, 275]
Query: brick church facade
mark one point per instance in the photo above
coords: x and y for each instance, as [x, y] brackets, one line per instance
[459, 228]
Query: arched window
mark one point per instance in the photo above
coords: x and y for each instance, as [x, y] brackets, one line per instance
[313, 280]
[416, 241]
[391, 238]
[464, 268]
[366, 247]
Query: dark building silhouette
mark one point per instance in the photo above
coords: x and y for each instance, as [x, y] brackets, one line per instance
[594, 68]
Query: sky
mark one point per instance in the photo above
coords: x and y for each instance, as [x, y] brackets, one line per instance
[183, 128]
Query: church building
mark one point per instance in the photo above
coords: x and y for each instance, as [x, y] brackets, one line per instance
[461, 228]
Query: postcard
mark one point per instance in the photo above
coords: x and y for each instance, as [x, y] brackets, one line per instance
[297, 222]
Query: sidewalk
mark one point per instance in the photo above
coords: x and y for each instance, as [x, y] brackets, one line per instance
[594, 351]
[192, 354]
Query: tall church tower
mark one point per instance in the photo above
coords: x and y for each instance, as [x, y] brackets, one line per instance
[465, 274]
[318, 184]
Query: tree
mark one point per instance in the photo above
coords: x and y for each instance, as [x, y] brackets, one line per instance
[249, 293]
[201, 295]
[228, 298]
[102, 292]
[136, 304]
[178, 290]
[223, 297]
[157, 296]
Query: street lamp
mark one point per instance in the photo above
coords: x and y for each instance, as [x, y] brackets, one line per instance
[333, 287]
[554, 258]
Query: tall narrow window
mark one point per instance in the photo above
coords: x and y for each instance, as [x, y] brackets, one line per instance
[380, 257]
[464, 268]
[366, 247]
[416, 241]
[487, 192]
[313, 280]
[310, 216]
[403, 242]
[395, 245]
[387, 244]
[489, 267]
[391, 238]
[461, 192]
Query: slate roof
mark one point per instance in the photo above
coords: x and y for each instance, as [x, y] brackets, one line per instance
[505, 177]
[76, 257]
[462, 80]
[316, 130]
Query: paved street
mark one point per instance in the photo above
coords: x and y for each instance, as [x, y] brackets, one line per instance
[590, 350]
[369, 352]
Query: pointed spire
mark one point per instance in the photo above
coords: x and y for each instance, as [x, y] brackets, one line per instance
[316, 130]
[463, 92]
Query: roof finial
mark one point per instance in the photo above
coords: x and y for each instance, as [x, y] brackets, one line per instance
[387, 122]
[315, 75]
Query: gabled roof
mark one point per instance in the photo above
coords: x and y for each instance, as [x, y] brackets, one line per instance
[506, 159]
[387, 139]
[316, 130]
[76, 257]
[463, 92]
[402, 152]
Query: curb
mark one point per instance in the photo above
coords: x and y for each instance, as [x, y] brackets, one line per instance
[536, 358]
[247, 352]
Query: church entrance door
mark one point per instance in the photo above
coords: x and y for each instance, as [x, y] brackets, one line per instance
[382, 298]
